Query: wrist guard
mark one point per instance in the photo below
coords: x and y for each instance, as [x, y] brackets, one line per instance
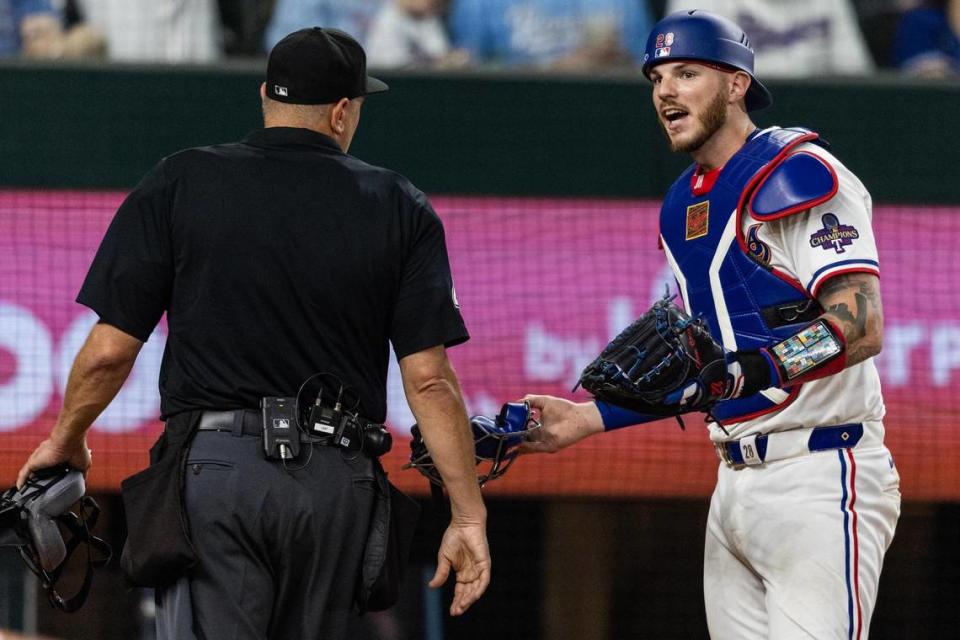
[816, 351]
[615, 417]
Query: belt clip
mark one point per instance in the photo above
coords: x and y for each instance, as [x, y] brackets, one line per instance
[749, 451]
[723, 454]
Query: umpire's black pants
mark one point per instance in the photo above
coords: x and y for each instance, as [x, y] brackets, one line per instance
[279, 549]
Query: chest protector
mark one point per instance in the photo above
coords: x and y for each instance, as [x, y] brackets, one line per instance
[725, 277]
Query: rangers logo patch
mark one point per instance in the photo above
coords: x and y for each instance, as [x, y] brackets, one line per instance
[759, 250]
[698, 219]
[834, 235]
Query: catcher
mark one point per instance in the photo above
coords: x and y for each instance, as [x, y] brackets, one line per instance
[769, 237]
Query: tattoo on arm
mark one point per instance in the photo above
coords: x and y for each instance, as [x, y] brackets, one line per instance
[862, 329]
[858, 322]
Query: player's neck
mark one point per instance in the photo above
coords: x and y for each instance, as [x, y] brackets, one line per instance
[721, 146]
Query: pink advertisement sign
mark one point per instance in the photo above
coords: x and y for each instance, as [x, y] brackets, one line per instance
[543, 284]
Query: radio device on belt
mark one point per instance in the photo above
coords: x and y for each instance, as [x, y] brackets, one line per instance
[288, 422]
[281, 435]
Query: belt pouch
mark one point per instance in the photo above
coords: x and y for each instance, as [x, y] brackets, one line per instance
[387, 551]
[158, 549]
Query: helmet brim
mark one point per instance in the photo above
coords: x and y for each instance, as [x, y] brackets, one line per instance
[757, 97]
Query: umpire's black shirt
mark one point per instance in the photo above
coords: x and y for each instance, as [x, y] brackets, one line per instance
[275, 258]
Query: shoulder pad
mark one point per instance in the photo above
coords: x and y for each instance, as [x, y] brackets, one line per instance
[801, 181]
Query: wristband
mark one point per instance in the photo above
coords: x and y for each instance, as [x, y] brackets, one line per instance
[816, 351]
[810, 353]
[757, 372]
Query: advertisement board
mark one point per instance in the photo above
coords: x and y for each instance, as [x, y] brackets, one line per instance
[543, 284]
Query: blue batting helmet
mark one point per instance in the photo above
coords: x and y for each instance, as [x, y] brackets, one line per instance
[703, 36]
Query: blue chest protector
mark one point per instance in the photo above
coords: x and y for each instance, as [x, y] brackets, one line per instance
[723, 275]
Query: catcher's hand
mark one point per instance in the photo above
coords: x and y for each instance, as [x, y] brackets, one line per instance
[664, 364]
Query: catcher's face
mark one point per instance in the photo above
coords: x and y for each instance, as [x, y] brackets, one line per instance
[691, 102]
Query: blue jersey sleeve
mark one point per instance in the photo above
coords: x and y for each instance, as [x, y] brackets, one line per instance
[615, 417]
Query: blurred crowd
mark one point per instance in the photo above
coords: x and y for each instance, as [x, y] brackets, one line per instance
[792, 38]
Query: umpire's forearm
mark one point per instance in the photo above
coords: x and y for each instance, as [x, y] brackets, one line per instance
[437, 404]
[98, 373]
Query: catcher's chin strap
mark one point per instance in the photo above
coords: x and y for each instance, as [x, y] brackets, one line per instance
[79, 528]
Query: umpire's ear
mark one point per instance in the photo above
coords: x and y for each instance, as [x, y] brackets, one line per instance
[338, 116]
[343, 119]
[263, 91]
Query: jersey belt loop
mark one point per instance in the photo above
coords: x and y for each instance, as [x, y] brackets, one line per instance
[748, 449]
[238, 423]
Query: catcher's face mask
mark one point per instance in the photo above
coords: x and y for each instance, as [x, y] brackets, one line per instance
[496, 441]
[33, 520]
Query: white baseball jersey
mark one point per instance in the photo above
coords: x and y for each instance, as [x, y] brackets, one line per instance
[811, 247]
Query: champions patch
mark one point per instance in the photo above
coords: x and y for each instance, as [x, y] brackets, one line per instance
[834, 235]
[698, 218]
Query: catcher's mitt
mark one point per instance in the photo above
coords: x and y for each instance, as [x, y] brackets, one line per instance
[664, 364]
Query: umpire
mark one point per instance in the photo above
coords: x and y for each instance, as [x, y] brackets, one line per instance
[275, 258]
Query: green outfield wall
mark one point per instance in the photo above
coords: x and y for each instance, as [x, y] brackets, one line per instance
[91, 127]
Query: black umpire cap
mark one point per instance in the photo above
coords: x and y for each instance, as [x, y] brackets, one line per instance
[319, 66]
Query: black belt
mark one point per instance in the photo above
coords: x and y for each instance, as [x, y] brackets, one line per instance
[245, 422]
[249, 422]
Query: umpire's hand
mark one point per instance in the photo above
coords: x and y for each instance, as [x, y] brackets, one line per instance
[55, 451]
[464, 549]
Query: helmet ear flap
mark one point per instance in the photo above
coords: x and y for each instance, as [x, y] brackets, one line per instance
[41, 522]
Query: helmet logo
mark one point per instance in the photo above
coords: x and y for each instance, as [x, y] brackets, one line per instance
[664, 40]
[663, 43]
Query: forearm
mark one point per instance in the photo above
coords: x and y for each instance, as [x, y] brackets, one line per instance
[853, 305]
[437, 404]
[610, 417]
[97, 375]
[92, 385]
[852, 327]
